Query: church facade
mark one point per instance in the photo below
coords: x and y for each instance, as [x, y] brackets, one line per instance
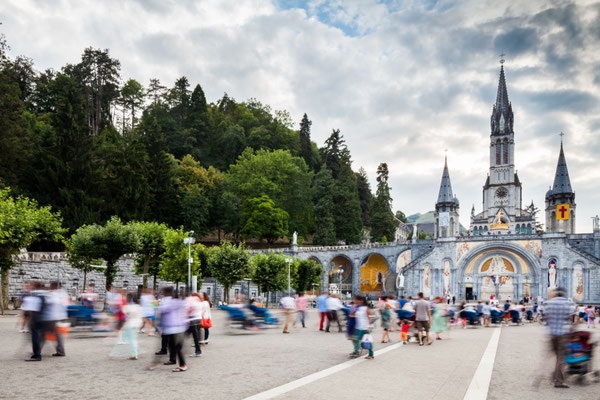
[506, 255]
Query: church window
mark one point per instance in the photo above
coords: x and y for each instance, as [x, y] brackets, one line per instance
[528, 228]
[485, 229]
[498, 151]
[505, 152]
[518, 228]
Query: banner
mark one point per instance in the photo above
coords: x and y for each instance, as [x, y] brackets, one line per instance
[562, 212]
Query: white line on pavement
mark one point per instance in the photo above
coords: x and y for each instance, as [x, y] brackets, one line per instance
[288, 387]
[480, 383]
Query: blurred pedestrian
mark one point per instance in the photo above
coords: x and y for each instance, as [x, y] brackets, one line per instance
[363, 320]
[133, 320]
[557, 313]
[288, 304]
[148, 304]
[334, 305]
[58, 302]
[194, 308]
[591, 316]
[385, 312]
[440, 318]
[26, 307]
[206, 322]
[173, 314]
[422, 318]
[37, 307]
[323, 310]
[301, 306]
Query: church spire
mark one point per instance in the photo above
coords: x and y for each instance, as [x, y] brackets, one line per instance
[562, 183]
[445, 195]
[502, 115]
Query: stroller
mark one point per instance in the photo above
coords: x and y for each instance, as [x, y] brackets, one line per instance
[529, 316]
[515, 317]
[238, 319]
[262, 315]
[579, 356]
[496, 316]
[472, 317]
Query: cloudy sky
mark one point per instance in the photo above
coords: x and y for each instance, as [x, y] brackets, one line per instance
[403, 80]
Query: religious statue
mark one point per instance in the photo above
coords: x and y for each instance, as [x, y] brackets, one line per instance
[596, 220]
[414, 235]
[552, 274]
[497, 266]
[446, 278]
[427, 282]
[400, 281]
[295, 238]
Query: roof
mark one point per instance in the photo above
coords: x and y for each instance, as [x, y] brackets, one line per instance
[562, 183]
[502, 115]
[445, 195]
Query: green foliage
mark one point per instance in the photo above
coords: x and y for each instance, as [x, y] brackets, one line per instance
[229, 264]
[82, 250]
[260, 218]
[270, 272]
[279, 175]
[307, 273]
[151, 246]
[323, 199]
[346, 211]
[132, 100]
[401, 216]
[174, 261]
[22, 222]
[383, 221]
[365, 196]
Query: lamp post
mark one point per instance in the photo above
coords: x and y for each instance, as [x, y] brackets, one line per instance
[289, 261]
[248, 284]
[189, 241]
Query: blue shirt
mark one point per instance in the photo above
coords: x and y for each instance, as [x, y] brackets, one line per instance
[558, 314]
[322, 303]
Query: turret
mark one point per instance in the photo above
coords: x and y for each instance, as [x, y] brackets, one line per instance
[560, 199]
[446, 208]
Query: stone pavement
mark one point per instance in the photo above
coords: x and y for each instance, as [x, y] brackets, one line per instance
[240, 366]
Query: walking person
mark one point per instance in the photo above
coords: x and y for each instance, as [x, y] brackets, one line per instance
[206, 322]
[37, 307]
[301, 306]
[148, 304]
[334, 304]
[174, 322]
[133, 320]
[385, 312]
[422, 318]
[440, 318]
[194, 308]
[323, 310]
[289, 306]
[557, 312]
[57, 312]
[591, 316]
[363, 320]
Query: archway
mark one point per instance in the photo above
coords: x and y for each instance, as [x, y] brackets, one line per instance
[372, 274]
[339, 272]
[499, 271]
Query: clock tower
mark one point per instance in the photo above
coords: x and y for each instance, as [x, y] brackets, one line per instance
[502, 195]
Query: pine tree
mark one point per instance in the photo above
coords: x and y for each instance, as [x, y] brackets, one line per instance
[365, 196]
[383, 222]
[305, 143]
[323, 185]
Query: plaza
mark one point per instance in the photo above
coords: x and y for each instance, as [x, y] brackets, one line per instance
[304, 364]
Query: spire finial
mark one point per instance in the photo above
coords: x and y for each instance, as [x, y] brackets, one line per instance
[502, 60]
[561, 134]
[446, 157]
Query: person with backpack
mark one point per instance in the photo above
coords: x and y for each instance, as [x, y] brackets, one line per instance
[37, 307]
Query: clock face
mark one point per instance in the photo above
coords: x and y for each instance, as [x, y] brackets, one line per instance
[501, 193]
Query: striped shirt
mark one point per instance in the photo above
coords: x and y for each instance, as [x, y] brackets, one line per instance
[558, 312]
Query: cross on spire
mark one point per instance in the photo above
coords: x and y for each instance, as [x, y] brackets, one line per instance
[502, 60]
[561, 134]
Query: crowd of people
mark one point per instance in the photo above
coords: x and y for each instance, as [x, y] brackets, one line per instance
[173, 316]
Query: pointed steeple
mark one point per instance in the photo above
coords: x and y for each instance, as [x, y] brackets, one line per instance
[445, 195]
[502, 115]
[562, 183]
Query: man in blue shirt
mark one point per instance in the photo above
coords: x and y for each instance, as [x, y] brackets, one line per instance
[558, 312]
[323, 309]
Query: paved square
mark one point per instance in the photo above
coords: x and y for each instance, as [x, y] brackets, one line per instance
[244, 365]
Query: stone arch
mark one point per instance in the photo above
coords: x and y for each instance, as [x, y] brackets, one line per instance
[338, 274]
[403, 258]
[528, 274]
[372, 265]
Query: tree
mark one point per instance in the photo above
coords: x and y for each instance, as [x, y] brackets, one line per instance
[229, 264]
[323, 186]
[347, 212]
[280, 176]
[307, 273]
[269, 272]
[307, 151]
[365, 195]
[112, 241]
[383, 221]
[261, 219]
[335, 154]
[174, 261]
[401, 216]
[22, 222]
[132, 99]
[151, 237]
[156, 91]
[82, 250]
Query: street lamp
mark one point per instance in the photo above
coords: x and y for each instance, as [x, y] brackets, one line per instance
[289, 261]
[190, 240]
[248, 280]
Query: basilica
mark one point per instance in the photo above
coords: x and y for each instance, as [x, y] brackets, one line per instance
[506, 255]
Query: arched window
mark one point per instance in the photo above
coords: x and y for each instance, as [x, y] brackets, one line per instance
[498, 151]
[528, 228]
[475, 231]
[505, 151]
[485, 229]
[553, 221]
[518, 228]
